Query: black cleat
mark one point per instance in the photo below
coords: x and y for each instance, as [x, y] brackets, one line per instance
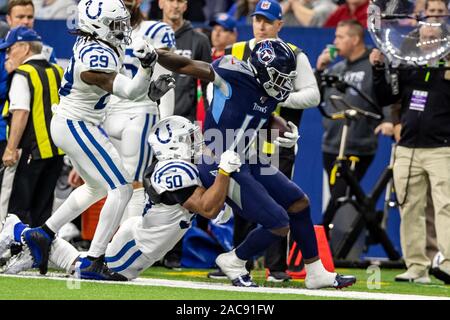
[441, 275]
[96, 269]
[343, 281]
[278, 276]
[244, 281]
[39, 243]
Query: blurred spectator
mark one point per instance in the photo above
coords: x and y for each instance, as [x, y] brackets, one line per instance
[54, 9]
[224, 33]
[33, 92]
[307, 13]
[362, 140]
[241, 11]
[352, 9]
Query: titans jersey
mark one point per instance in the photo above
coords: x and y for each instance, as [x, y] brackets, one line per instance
[239, 104]
[159, 35]
[80, 101]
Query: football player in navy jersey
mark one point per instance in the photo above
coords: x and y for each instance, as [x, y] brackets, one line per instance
[245, 95]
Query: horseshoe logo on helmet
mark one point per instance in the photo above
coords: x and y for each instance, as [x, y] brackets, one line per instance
[168, 139]
[93, 17]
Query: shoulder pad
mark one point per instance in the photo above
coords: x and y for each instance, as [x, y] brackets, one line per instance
[174, 175]
[160, 34]
[98, 57]
[229, 62]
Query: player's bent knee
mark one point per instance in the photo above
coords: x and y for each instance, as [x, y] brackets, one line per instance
[282, 232]
[299, 205]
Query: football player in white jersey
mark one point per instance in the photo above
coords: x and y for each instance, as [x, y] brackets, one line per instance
[92, 76]
[128, 122]
[175, 192]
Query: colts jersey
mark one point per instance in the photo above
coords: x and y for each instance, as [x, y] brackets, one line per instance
[170, 183]
[160, 35]
[239, 103]
[80, 101]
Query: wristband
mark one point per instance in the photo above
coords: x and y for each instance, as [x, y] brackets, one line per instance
[224, 172]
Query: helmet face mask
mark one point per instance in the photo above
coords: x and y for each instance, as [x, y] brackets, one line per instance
[274, 65]
[120, 33]
[280, 85]
[176, 138]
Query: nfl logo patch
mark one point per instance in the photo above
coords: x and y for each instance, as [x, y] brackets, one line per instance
[265, 5]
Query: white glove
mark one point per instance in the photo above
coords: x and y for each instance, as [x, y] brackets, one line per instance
[290, 138]
[230, 161]
[224, 215]
[145, 52]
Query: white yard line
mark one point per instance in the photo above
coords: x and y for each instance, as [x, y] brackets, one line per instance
[347, 294]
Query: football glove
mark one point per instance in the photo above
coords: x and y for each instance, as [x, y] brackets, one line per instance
[290, 138]
[230, 161]
[160, 86]
[145, 52]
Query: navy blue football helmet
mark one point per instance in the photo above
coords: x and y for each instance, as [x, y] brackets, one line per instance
[274, 64]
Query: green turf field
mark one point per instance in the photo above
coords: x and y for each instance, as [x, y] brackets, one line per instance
[25, 288]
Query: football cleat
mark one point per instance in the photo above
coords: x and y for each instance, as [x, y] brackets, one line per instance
[329, 280]
[7, 234]
[343, 281]
[96, 269]
[244, 281]
[278, 276]
[231, 265]
[20, 262]
[39, 243]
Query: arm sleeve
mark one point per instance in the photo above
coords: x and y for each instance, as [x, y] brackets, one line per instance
[19, 93]
[306, 94]
[180, 196]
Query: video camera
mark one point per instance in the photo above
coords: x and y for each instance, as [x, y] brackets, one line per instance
[333, 81]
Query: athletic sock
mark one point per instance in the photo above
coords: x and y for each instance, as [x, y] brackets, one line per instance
[302, 231]
[258, 240]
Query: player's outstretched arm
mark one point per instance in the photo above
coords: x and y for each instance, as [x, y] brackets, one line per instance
[209, 202]
[179, 64]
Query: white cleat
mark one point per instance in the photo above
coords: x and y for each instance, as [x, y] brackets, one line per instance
[231, 265]
[7, 234]
[329, 280]
[20, 262]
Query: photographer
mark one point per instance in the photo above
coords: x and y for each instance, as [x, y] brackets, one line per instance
[362, 140]
[422, 157]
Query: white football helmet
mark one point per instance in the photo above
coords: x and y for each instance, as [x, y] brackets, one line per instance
[108, 20]
[175, 137]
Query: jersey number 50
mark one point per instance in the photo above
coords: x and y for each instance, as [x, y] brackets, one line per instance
[174, 181]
